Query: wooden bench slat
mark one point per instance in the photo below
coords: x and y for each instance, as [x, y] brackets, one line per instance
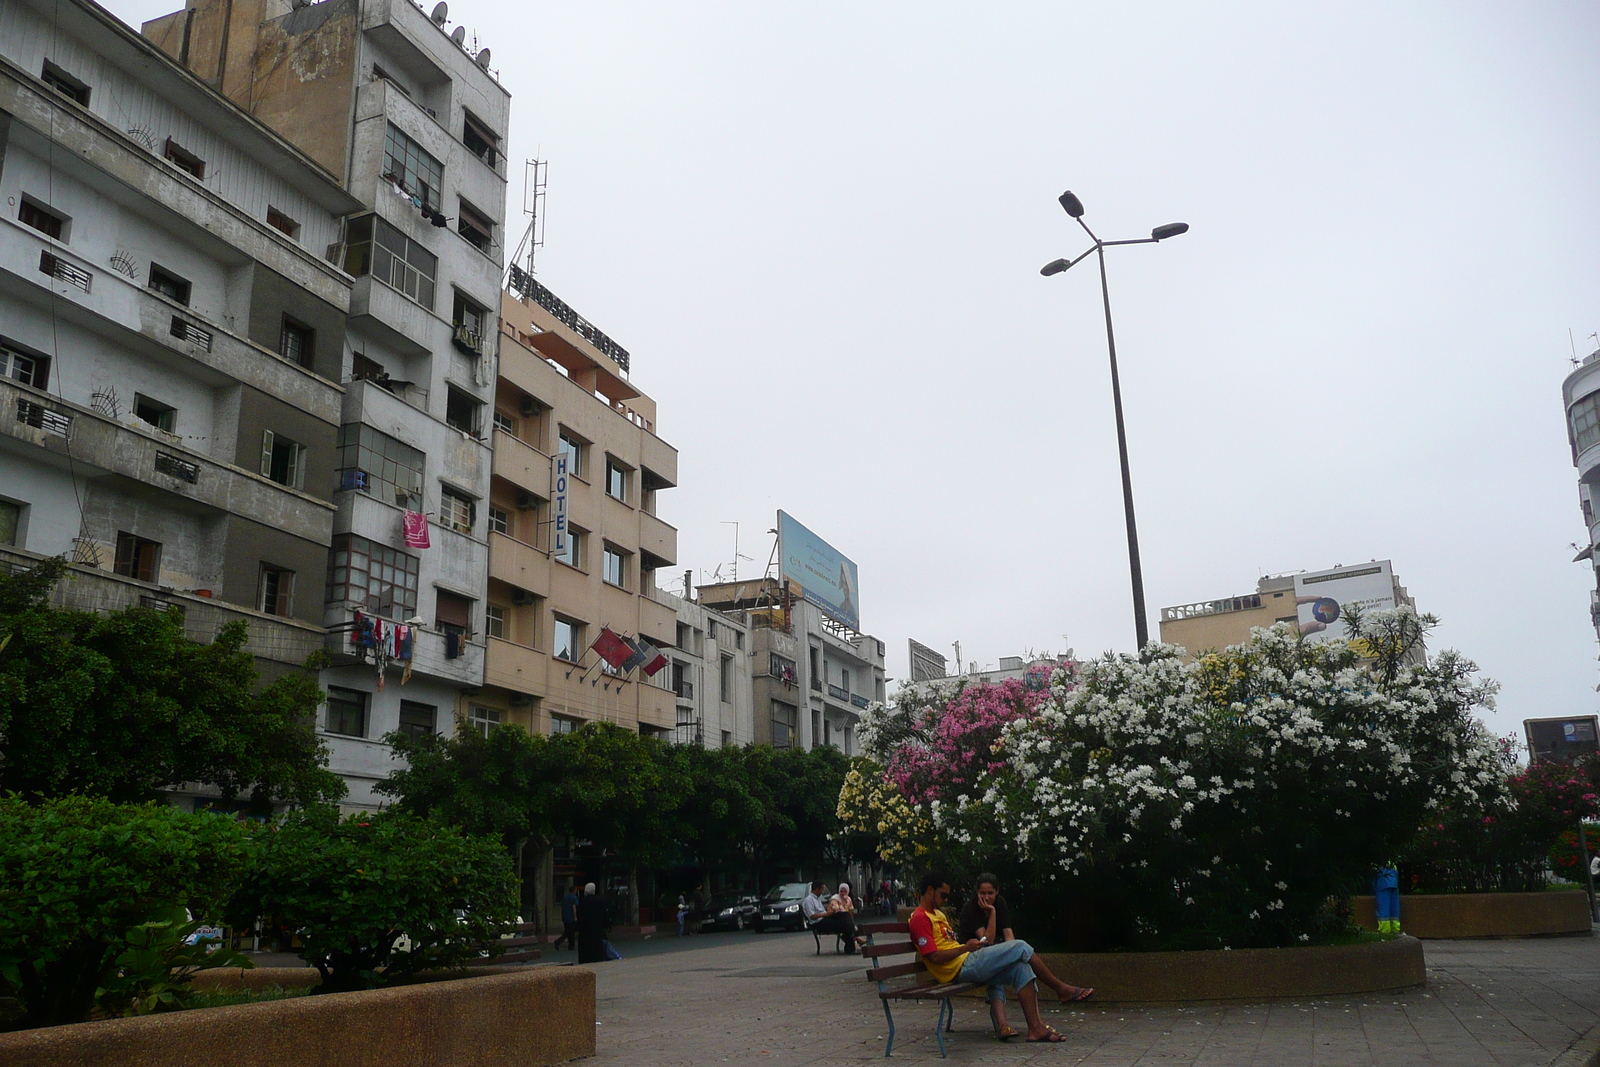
[895, 949]
[934, 991]
[883, 928]
[896, 970]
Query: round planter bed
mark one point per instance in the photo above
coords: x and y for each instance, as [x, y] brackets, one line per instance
[1242, 974]
[1445, 915]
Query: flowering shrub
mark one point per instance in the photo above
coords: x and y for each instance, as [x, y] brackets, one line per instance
[870, 806]
[1213, 803]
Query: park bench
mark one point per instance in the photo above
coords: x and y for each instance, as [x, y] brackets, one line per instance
[518, 945]
[920, 984]
[838, 940]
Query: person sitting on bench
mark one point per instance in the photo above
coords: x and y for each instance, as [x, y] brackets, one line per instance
[1012, 963]
[823, 920]
[987, 918]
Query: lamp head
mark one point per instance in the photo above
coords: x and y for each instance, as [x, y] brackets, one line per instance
[1171, 229]
[1055, 266]
[1071, 204]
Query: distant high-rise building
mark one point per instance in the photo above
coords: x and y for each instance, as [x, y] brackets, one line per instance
[1581, 395]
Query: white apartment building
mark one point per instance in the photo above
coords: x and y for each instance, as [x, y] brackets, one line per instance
[1580, 393]
[712, 661]
[169, 336]
[392, 102]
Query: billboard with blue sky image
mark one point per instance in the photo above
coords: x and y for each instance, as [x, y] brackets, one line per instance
[825, 577]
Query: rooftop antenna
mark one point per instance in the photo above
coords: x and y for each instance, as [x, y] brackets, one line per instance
[737, 556]
[1574, 345]
[534, 177]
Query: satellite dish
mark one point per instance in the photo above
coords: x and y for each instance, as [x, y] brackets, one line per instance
[441, 11]
[483, 59]
[459, 35]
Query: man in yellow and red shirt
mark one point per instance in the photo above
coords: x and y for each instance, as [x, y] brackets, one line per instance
[1010, 963]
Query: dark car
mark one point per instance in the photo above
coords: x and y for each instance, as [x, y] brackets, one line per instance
[731, 913]
[780, 908]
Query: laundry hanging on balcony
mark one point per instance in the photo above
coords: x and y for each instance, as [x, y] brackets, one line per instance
[415, 525]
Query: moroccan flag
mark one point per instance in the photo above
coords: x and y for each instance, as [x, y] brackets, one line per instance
[613, 649]
[654, 660]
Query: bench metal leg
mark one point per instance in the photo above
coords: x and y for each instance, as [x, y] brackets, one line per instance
[938, 1026]
[887, 1014]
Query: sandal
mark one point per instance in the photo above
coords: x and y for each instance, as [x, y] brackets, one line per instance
[1051, 1036]
[1079, 993]
[1005, 1035]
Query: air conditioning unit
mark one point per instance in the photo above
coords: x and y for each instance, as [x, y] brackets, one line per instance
[522, 598]
[531, 407]
[520, 700]
[527, 501]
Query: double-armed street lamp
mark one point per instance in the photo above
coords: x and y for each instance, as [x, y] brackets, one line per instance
[1074, 207]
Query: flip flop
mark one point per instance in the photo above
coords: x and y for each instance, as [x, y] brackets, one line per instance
[1083, 993]
[1051, 1037]
[1006, 1035]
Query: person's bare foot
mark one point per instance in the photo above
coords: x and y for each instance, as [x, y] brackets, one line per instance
[1046, 1035]
[1071, 994]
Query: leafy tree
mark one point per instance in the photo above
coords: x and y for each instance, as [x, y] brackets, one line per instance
[84, 881]
[123, 705]
[354, 888]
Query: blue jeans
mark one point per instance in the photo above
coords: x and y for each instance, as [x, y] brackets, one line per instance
[1005, 964]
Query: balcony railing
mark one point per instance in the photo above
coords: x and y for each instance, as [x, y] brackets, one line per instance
[1212, 607]
[838, 692]
[684, 689]
[527, 285]
[859, 701]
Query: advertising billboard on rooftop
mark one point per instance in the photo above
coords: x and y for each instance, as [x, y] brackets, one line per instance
[1323, 597]
[825, 577]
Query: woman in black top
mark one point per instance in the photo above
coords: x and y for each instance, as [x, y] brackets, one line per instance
[594, 919]
[987, 918]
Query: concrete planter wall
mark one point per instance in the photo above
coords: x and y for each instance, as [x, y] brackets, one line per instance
[1442, 915]
[524, 1017]
[1243, 974]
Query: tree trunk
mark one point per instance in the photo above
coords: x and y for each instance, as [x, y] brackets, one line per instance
[633, 895]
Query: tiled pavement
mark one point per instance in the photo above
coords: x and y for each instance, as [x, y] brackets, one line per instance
[768, 1000]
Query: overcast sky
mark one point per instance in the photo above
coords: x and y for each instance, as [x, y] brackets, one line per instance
[818, 229]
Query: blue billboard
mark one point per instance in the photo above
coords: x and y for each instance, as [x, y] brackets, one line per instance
[825, 578]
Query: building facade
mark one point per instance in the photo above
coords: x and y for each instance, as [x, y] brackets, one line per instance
[411, 122]
[1296, 599]
[811, 677]
[711, 663]
[163, 252]
[563, 391]
[1580, 394]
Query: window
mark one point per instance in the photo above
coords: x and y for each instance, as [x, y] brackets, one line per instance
[461, 411]
[1585, 423]
[568, 644]
[479, 139]
[844, 680]
[283, 223]
[276, 593]
[738, 639]
[409, 166]
[376, 463]
[372, 577]
[283, 460]
[468, 319]
[65, 84]
[184, 159]
[483, 719]
[373, 246]
[137, 557]
[297, 342]
[29, 368]
[477, 229]
[576, 449]
[169, 285]
[499, 521]
[41, 218]
[363, 369]
[494, 621]
[683, 636]
[456, 511]
[347, 711]
[573, 556]
[725, 679]
[10, 522]
[505, 424]
[614, 567]
[418, 720]
[616, 480]
[157, 414]
[785, 720]
[560, 724]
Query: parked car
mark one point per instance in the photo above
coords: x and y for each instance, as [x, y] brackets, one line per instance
[780, 908]
[731, 913]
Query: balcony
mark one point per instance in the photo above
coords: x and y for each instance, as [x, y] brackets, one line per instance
[430, 650]
[857, 700]
[400, 322]
[657, 539]
[100, 446]
[517, 667]
[838, 692]
[683, 688]
[521, 464]
[518, 565]
[272, 637]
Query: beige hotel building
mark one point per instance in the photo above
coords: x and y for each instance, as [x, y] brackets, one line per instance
[563, 387]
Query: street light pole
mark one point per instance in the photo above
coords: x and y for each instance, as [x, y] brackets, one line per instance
[1074, 207]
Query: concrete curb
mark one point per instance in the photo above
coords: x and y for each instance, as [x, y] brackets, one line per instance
[1584, 1052]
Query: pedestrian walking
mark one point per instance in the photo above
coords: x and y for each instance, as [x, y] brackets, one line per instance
[594, 919]
[569, 918]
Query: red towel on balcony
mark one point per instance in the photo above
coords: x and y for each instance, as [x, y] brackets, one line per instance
[415, 525]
